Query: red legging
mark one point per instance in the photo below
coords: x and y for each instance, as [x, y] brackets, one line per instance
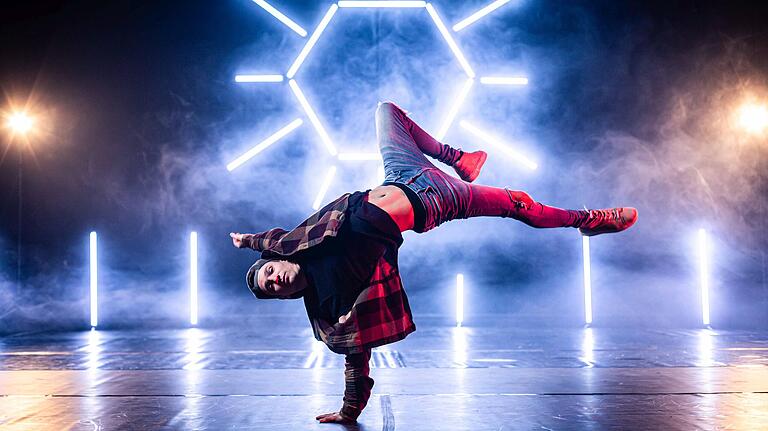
[403, 145]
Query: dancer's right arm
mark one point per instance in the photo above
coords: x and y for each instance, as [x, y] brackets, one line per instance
[257, 241]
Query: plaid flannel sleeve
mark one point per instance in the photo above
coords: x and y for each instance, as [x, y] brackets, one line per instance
[357, 383]
[260, 241]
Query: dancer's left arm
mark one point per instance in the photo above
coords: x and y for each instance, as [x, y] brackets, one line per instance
[357, 389]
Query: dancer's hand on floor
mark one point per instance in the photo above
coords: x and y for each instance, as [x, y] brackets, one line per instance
[335, 417]
[237, 239]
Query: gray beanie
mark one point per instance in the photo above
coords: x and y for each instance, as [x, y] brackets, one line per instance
[251, 278]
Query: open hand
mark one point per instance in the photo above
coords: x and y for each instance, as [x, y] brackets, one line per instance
[335, 417]
[237, 239]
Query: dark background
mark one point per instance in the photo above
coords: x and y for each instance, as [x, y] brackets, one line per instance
[629, 103]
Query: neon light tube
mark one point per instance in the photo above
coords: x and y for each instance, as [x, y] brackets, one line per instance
[312, 41]
[448, 38]
[324, 188]
[193, 278]
[382, 3]
[94, 281]
[312, 117]
[282, 18]
[504, 80]
[459, 299]
[493, 141]
[258, 78]
[704, 275]
[454, 109]
[587, 280]
[261, 146]
[479, 14]
[359, 156]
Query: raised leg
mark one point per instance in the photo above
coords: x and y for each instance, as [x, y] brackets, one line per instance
[403, 143]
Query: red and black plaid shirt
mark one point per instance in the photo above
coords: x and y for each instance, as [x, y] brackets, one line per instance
[380, 315]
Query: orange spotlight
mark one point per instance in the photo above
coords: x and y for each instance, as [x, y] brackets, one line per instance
[20, 123]
[753, 118]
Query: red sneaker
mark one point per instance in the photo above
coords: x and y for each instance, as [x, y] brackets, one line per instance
[608, 221]
[469, 165]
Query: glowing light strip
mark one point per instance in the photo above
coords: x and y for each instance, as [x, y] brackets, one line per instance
[193, 278]
[312, 117]
[448, 38]
[282, 18]
[311, 42]
[459, 299]
[315, 359]
[359, 156]
[479, 14]
[94, 281]
[324, 188]
[704, 275]
[261, 146]
[587, 280]
[258, 78]
[491, 140]
[504, 80]
[454, 109]
[382, 3]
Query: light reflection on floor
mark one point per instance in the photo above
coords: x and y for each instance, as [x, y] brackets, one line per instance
[441, 377]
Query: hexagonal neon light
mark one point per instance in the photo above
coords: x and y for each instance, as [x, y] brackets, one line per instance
[315, 120]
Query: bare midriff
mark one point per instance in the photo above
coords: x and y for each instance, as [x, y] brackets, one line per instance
[395, 203]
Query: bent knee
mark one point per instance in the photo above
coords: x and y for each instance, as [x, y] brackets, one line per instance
[521, 198]
[388, 107]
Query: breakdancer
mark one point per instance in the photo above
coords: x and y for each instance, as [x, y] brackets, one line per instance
[342, 260]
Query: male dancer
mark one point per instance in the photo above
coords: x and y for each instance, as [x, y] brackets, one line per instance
[342, 260]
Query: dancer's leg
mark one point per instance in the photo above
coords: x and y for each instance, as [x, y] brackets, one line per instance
[498, 202]
[403, 143]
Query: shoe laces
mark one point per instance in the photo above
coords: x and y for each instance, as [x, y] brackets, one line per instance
[606, 214]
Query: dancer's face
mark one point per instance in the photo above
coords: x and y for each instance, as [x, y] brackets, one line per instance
[281, 278]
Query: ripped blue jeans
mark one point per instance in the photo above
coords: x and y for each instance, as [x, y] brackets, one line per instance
[403, 146]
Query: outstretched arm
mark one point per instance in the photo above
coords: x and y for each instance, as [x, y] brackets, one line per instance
[257, 241]
[357, 389]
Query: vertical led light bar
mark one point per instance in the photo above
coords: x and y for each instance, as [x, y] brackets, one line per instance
[587, 281]
[704, 275]
[94, 281]
[459, 299]
[193, 278]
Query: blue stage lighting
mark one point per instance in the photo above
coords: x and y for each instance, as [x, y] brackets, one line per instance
[193, 278]
[261, 146]
[703, 252]
[487, 138]
[281, 17]
[479, 14]
[324, 187]
[94, 280]
[312, 41]
[587, 280]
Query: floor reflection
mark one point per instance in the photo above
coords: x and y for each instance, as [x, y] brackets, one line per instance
[441, 377]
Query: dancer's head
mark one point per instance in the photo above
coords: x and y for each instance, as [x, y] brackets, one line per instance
[276, 279]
